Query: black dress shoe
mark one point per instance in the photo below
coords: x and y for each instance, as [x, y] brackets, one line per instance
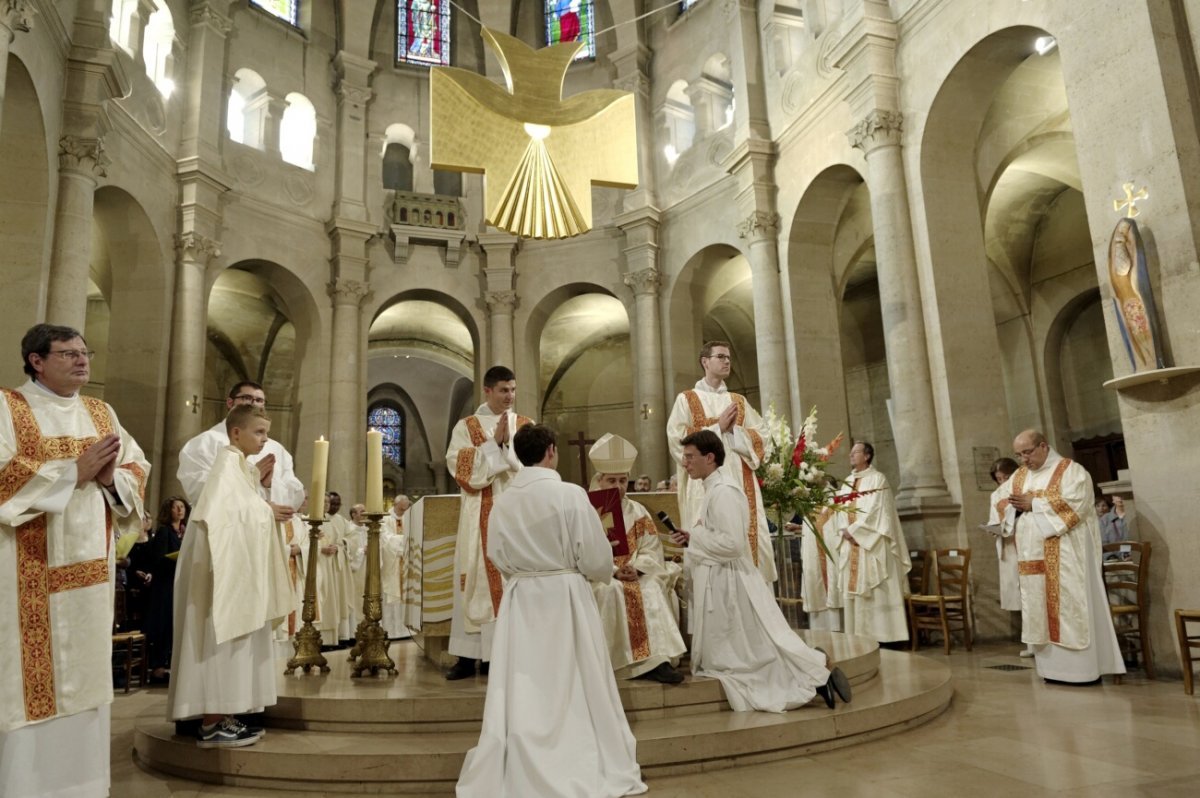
[840, 684]
[463, 669]
[484, 667]
[826, 692]
[663, 674]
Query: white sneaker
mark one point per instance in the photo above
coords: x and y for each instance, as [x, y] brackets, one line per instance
[1026, 653]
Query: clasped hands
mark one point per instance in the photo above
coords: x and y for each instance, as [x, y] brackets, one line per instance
[98, 462]
[627, 573]
[727, 418]
[1021, 501]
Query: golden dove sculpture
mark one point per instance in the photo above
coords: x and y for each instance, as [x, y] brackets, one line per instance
[539, 154]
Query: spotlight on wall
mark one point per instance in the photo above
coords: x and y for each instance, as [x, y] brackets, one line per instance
[670, 153]
[1044, 45]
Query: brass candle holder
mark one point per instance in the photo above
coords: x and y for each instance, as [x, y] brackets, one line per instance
[307, 642]
[369, 655]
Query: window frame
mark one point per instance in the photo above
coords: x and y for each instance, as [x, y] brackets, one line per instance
[444, 9]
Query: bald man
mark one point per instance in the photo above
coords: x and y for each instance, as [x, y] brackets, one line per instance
[1064, 610]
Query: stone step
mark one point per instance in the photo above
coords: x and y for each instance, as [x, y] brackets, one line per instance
[908, 690]
[420, 700]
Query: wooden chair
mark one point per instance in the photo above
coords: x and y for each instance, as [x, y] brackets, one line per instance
[134, 651]
[948, 609]
[1189, 645]
[918, 575]
[1126, 581]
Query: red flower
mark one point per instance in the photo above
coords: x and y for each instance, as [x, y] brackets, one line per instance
[798, 452]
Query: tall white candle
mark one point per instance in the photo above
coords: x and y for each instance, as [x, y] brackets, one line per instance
[316, 496]
[374, 471]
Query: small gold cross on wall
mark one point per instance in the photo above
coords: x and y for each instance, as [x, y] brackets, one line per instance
[1131, 200]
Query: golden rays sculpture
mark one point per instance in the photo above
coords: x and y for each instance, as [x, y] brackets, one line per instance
[539, 154]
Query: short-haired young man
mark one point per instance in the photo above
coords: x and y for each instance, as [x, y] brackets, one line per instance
[553, 724]
[710, 405]
[739, 634]
[481, 458]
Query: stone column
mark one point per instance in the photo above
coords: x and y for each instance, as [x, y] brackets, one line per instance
[760, 230]
[347, 425]
[189, 324]
[353, 76]
[16, 16]
[501, 305]
[640, 228]
[80, 162]
[204, 87]
[913, 419]
[500, 295]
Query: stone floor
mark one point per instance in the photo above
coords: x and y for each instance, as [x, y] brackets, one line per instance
[1005, 734]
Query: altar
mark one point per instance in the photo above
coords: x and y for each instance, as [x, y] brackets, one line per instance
[432, 526]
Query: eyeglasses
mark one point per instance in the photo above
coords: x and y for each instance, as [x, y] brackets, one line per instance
[1027, 452]
[249, 399]
[725, 358]
[72, 354]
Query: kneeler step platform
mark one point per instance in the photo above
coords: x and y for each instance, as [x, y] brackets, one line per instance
[407, 735]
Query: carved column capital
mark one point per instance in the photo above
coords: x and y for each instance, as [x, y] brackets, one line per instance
[80, 154]
[17, 15]
[348, 292]
[877, 129]
[759, 225]
[197, 248]
[644, 282]
[501, 302]
[354, 95]
[203, 14]
[635, 82]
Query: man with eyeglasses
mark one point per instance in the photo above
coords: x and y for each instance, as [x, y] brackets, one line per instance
[277, 474]
[1064, 609]
[72, 481]
[710, 405]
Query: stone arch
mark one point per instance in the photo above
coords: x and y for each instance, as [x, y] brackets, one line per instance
[425, 344]
[816, 286]
[129, 314]
[579, 334]
[24, 208]
[417, 452]
[712, 297]
[266, 314]
[968, 137]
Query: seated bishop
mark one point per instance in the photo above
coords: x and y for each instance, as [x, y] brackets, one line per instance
[641, 630]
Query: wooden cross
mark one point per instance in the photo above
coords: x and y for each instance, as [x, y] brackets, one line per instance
[1131, 200]
[582, 442]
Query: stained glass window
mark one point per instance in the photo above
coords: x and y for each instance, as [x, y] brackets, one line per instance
[423, 32]
[390, 422]
[572, 20]
[287, 10]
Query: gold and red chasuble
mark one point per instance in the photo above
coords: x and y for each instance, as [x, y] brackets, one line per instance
[1049, 567]
[36, 580]
[463, 467]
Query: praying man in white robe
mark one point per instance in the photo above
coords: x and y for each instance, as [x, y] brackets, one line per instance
[231, 589]
[72, 481]
[1064, 608]
[553, 725]
[642, 633]
[873, 558]
[278, 481]
[393, 552]
[335, 575]
[819, 589]
[710, 405]
[483, 463]
[1006, 540]
[739, 634]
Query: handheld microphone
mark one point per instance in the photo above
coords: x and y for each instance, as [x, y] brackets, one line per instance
[666, 521]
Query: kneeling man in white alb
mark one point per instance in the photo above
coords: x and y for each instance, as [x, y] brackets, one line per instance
[739, 635]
